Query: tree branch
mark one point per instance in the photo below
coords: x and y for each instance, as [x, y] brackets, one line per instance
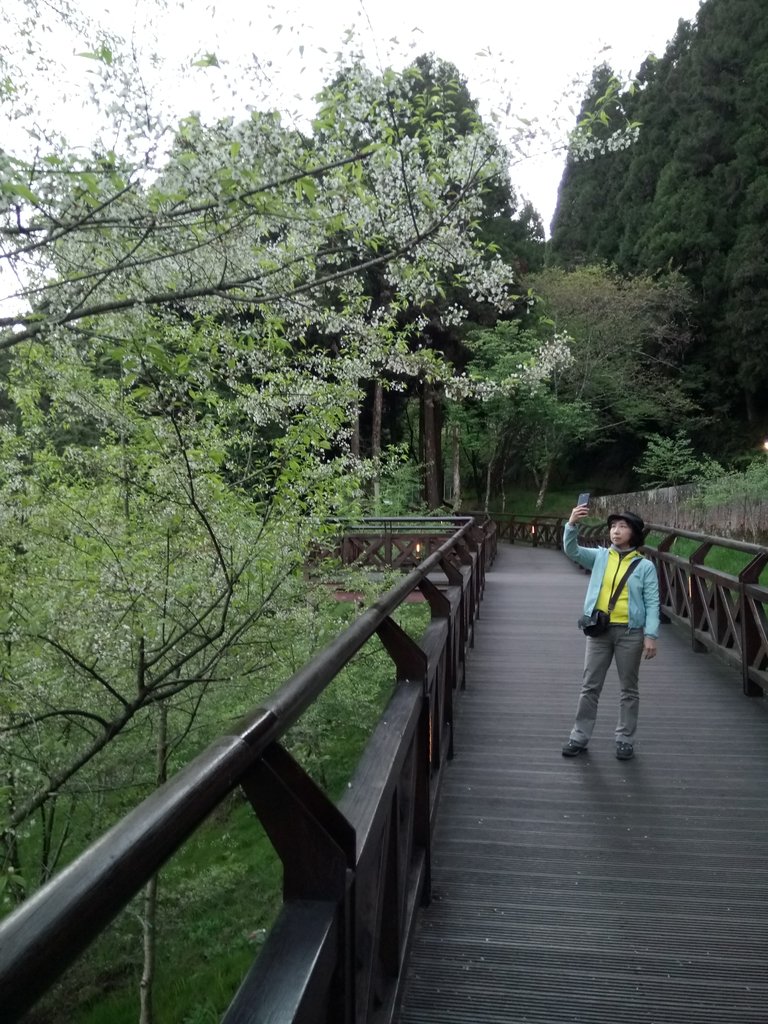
[30, 720]
[229, 290]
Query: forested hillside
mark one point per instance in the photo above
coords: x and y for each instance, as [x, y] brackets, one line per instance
[690, 194]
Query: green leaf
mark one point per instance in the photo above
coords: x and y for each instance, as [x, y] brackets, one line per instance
[18, 191]
[208, 60]
[103, 55]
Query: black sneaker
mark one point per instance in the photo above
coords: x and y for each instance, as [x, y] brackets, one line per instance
[571, 749]
[624, 751]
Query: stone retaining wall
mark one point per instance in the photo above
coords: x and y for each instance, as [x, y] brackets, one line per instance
[743, 519]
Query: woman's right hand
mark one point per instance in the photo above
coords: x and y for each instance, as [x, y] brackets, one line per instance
[578, 513]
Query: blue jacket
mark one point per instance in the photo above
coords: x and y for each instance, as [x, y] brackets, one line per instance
[642, 585]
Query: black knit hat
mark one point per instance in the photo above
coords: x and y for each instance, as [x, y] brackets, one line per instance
[634, 522]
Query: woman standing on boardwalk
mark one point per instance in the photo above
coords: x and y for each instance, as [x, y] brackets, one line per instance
[631, 634]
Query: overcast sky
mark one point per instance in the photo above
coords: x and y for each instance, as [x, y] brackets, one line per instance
[525, 58]
[539, 53]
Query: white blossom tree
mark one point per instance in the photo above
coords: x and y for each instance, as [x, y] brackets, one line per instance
[185, 328]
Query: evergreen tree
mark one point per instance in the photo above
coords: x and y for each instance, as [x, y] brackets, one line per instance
[710, 203]
[657, 102]
[693, 196]
[585, 224]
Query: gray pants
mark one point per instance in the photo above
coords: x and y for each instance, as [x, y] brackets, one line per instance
[626, 645]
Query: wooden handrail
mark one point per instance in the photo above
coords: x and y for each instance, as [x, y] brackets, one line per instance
[725, 613]
[50, 929]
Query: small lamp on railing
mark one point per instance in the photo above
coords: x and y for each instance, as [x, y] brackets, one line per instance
[765, 445]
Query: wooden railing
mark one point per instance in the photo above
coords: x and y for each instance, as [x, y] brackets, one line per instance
[725, 613]
[539, 531]
[401, 543]
[354, 872]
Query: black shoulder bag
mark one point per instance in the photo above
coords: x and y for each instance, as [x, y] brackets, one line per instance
[598, 622]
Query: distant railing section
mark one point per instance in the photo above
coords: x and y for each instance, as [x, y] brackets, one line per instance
[538, 531]
[402, 543]
[354, 872]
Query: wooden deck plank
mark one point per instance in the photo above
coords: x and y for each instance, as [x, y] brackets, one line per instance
[589, 889]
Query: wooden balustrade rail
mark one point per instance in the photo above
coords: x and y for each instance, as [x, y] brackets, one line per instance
[725, 613]
[402, 543]
[539, 531]
[354, 872]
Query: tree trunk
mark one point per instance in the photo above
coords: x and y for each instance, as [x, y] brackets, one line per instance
[149, 922]
[456, 440]
[378, 402]
[431, 447]
[488, 475]
[477, 477]
[543, 486]
[47, 820]
[354, 442]
[414, 451]
[9, 846]
[749, 406]
[50, 852]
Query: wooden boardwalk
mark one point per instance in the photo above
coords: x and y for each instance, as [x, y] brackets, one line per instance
[592, 890]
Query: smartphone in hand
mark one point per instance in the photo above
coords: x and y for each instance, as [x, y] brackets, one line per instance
[583, 498]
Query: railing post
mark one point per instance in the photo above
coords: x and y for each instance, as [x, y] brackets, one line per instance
[694, 594]
[440, 607]
[410, 661]
[412, 664]
[480, 541]
[317, 847]
[664, 546]
[463, 553]
[456, 579]
[752, 637]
